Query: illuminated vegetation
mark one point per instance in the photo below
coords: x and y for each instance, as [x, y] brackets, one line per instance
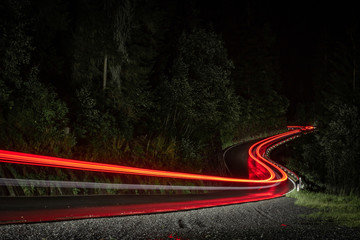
[339, 209]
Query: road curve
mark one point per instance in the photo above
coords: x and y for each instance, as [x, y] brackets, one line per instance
[267, 180]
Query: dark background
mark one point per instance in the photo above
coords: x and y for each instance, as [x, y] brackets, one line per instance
[182, 80]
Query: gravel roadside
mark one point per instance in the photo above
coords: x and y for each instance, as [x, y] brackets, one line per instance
[272, 219]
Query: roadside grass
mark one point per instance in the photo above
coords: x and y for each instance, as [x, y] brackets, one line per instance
[340, 209]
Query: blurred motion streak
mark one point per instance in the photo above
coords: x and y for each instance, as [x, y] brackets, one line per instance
[38, 160]
[267, 180]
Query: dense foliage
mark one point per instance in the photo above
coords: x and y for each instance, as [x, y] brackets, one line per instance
[330, 158]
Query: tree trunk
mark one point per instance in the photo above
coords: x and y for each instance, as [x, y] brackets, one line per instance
[105, 71]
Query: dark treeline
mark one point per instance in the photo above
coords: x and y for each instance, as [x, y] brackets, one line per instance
[149, 83]
[327, 93]
[166, 84]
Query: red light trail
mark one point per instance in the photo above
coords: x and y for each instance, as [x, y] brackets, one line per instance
[271, 183]
[258, 148]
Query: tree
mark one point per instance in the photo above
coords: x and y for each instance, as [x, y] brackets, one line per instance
[198, 98]
[32, 117]
[102, 55]
[340, 147]
[256, 76]
[100, 39]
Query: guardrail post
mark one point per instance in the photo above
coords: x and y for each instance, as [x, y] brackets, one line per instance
[299, 185]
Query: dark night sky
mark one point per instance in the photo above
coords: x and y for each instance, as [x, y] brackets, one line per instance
[299, 27]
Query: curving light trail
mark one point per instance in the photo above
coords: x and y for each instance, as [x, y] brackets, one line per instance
[273, 183]
[256, 152]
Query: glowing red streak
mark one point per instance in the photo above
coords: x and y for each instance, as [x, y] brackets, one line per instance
[22, 158]
[31, 159]
[284, 175]
[260, 159]
[272, 174]
[255, 152]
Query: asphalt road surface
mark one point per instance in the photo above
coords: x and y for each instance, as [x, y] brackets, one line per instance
[271, 219]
